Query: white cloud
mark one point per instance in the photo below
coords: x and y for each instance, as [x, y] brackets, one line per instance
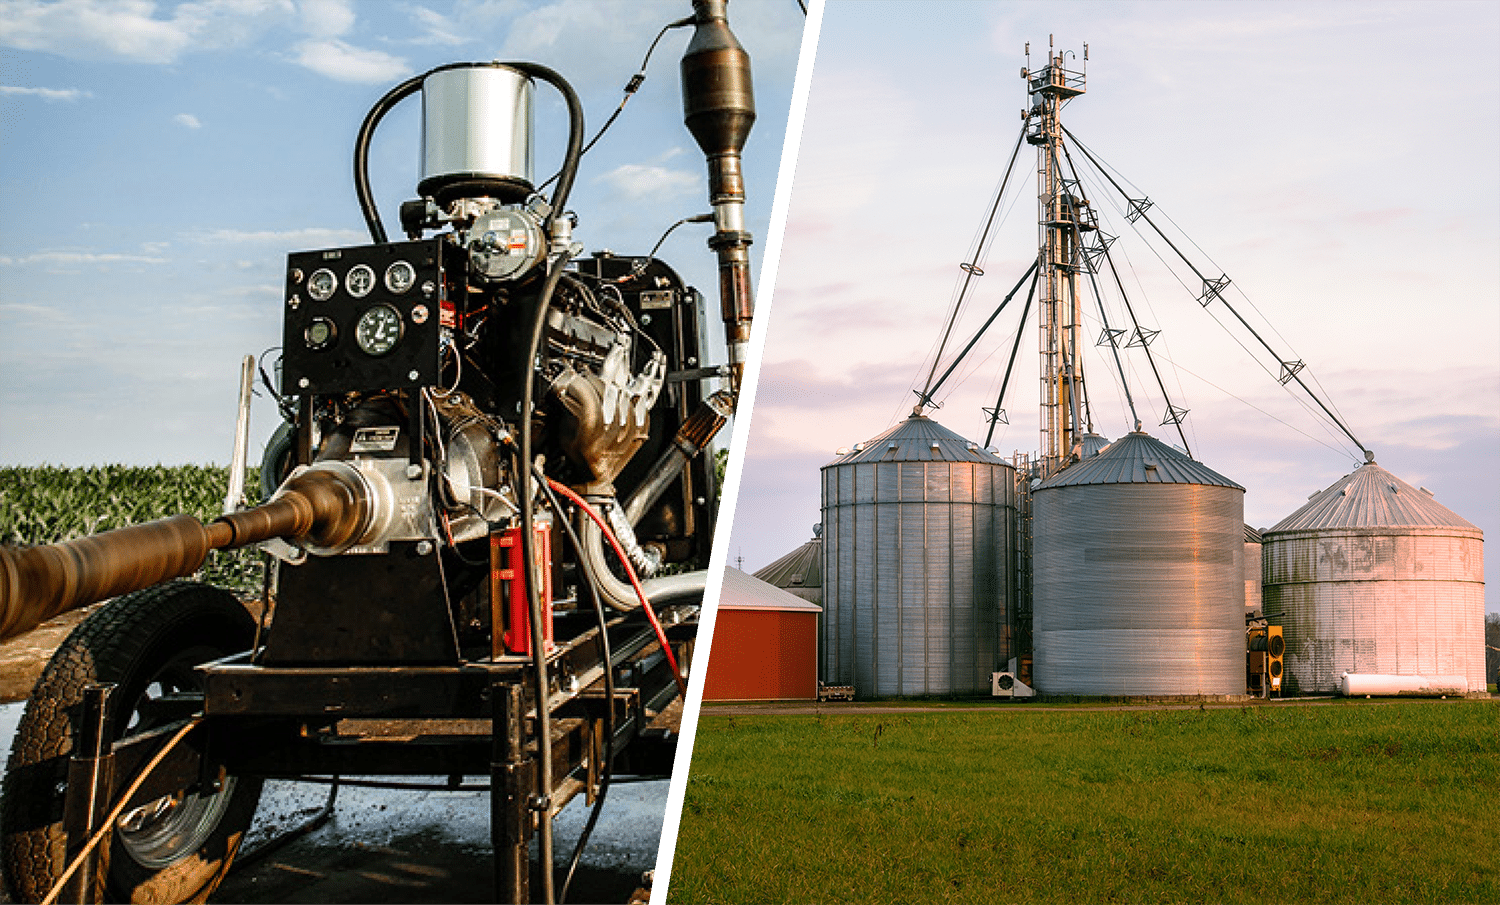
[78, 258]
[188, 120]
[635, 181]
[310, 236]
[130, 29]
[327, 18]
[46, 94]
[347, 63]
[438, 28]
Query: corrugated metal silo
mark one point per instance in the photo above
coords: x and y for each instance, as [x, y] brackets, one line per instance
[1252, 568]
[799, 572]
[918, 559]
[1373, 575]
[1138, 576]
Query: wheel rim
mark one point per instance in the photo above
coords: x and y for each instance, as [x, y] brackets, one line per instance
[158, 833]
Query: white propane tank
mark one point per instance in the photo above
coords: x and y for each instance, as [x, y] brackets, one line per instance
[1354, 684]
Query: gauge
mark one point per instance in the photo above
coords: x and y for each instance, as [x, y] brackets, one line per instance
[361, 280]
[378, 330]
[320, 333]
[321, 285]
[400, 277]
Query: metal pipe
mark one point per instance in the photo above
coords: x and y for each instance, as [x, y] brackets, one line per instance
[691, 438]
[235, 496]
[90, 781]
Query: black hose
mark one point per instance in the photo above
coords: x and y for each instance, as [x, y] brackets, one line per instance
[528, 556]
[609, 697]
[280, 842]
[575, 132]
[411, 86]
[523, 475]
[362, 153]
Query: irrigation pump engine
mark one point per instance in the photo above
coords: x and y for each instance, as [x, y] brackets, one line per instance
[486, 512]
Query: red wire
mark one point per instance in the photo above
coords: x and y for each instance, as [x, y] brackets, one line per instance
[635, 582]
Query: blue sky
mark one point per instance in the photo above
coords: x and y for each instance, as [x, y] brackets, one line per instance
[159, 160]
[1340, 162]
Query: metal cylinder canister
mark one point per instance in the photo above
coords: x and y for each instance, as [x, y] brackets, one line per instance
[477, 133]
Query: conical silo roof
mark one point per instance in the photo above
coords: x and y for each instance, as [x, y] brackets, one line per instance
[1138, 459]
[916, 439]
[1094, 444]
[801, 568]
[1371, 497]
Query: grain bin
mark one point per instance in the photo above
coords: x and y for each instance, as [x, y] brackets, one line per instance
[1252, 569]
[799, 572]
[918, 559]
[1373, 575]
[1138, 571]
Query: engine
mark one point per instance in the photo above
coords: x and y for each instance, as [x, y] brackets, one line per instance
[447, 379]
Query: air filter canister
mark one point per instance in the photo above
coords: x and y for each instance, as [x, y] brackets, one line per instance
[476, 133]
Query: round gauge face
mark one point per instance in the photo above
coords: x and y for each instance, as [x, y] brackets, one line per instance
[322, 284]
[400, 277]
[361, 280]
[378, 330]
[320, 333]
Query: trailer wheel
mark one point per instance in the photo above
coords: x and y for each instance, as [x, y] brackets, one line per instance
[177, 848]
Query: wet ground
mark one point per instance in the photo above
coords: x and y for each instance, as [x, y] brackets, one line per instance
[383, 845]
[397, 846]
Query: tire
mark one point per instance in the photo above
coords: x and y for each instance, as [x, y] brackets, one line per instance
[176, 849]
[276, 462]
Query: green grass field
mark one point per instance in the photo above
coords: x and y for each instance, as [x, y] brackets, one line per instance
[46, 504]
[1345, 802]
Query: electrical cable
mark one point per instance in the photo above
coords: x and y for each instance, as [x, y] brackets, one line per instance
[639, 267]
[661, 635]
[1214, 289]
[1020, 331]
[631, 87]
[971, 270]
[313, 823]
[958, 359]
[528, 556]
[528, 514]
[108, 823]
[607, 767]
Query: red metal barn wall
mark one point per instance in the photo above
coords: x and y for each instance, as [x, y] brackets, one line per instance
[761, 655]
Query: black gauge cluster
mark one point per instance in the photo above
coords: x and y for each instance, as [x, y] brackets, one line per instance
[366, 318]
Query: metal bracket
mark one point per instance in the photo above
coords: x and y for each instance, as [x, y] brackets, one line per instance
[1289, 369]
[1110, 337]
[1174, 415]
[1142, 338]
[1213, 289]
[1138, 208]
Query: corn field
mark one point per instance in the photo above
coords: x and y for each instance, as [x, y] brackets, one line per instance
[46, 504]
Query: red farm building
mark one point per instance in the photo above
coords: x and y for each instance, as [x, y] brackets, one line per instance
[765, 644]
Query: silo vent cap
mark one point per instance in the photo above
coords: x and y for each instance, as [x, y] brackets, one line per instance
[841, 451]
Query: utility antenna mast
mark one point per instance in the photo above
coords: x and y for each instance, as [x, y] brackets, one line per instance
[1064, 216]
